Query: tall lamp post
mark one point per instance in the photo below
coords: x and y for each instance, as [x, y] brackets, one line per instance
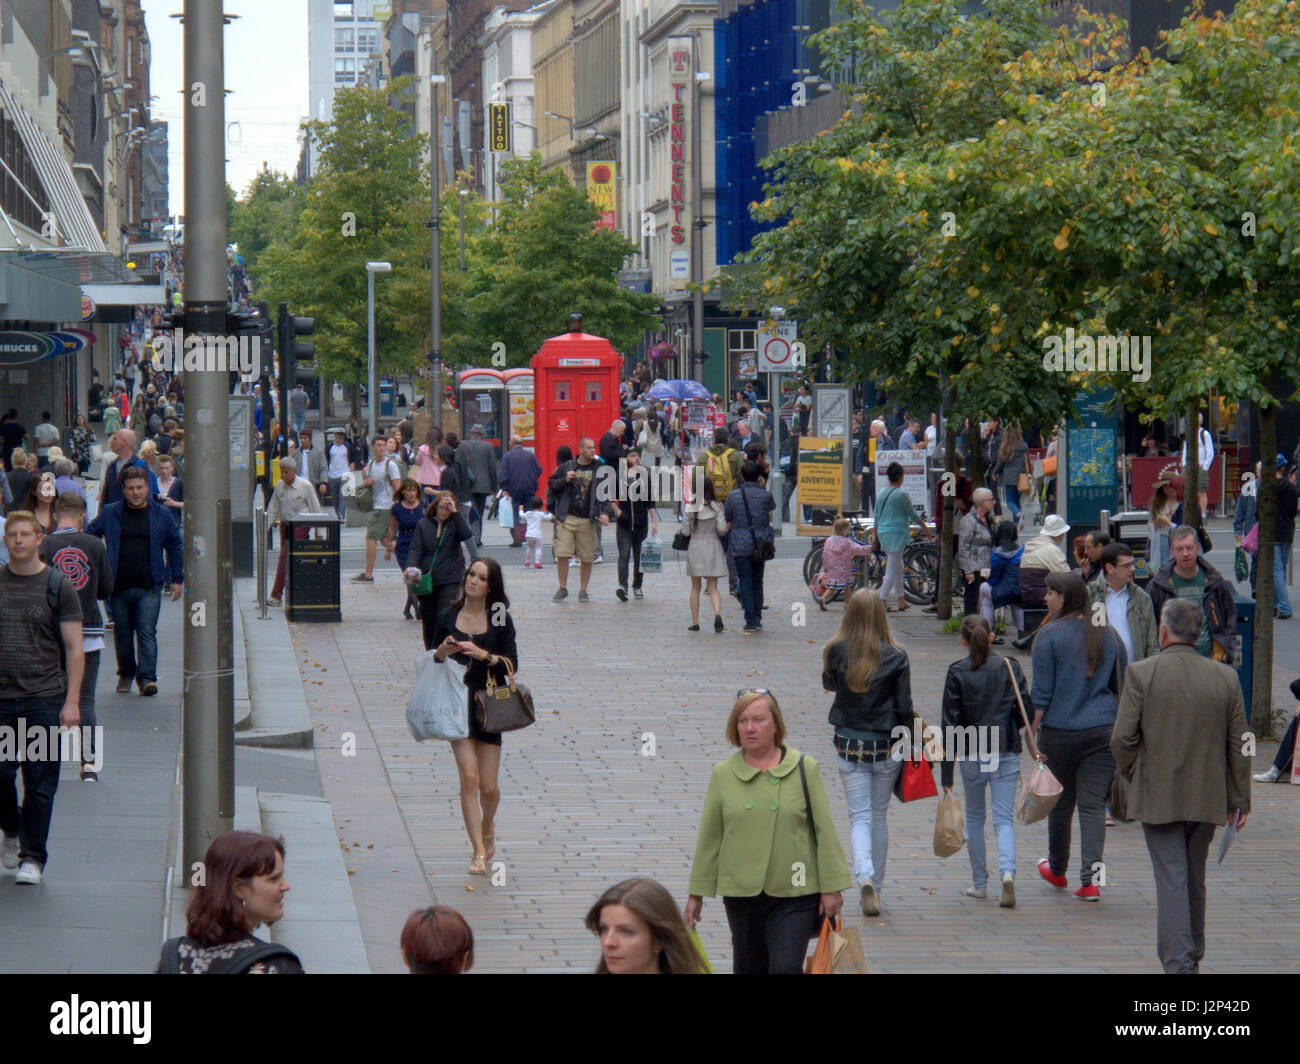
[435, 254]
[372, 268]
[697, 226]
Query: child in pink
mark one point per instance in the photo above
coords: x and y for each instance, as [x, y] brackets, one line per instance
[838, 553]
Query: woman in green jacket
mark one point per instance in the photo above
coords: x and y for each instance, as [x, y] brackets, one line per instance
[767, 844]
[894, 519]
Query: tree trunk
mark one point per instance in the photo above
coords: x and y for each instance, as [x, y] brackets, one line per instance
[975, 455]
[949, 505]
[1261, 700]
[354, 395]
[1192, 467]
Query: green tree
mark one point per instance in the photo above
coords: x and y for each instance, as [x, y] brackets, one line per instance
[541, 260]
[265, 213]
[369, 201]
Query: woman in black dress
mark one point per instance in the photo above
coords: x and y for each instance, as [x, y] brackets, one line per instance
[477, 631]
[435, 548]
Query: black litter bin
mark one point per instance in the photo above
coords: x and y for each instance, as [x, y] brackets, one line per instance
[312, 568]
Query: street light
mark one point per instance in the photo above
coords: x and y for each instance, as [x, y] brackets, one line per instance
[372, 268]
[434, 398]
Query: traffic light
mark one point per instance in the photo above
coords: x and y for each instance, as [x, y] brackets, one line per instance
[297, 365]
[296, 356]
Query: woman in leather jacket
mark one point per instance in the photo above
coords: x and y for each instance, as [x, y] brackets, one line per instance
[980, 709]
[871, 678]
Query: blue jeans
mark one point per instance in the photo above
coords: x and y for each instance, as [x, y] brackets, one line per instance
[1281, 599]
[1001, 782]
[868, 786]
[749, 574]
[297, 421]
[1011, 499]
[30, 821]
[135, 619]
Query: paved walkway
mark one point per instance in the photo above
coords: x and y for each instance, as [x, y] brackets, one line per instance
[583, 806]
[100, 907]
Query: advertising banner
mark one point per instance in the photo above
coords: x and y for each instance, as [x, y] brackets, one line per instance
[600, 190]
[915, 478]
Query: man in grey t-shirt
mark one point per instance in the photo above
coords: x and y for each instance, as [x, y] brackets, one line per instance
[38, 692]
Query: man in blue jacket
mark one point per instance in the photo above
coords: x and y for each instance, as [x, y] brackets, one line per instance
[137, 530]
[518, 476]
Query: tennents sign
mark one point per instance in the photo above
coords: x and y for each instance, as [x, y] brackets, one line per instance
[679, 71]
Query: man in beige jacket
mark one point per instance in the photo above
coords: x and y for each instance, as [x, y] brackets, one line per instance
[1180, 730]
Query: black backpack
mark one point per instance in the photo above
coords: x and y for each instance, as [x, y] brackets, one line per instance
[170, 962]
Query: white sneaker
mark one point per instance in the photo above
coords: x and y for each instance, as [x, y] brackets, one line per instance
[9, 851]
[1008, 899]
[975, 892]
[30, 873]
[1271, 776]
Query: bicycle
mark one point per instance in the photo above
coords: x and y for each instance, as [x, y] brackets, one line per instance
[921, 573]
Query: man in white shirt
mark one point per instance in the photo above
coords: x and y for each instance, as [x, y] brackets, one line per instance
[932, 435]
[294, 495]
[1129, 609]
[1204, 458]
[339, 467]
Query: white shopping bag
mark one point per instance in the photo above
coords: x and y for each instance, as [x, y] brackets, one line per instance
[439, 706]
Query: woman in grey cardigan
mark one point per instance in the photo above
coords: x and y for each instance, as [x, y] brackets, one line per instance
[706, 561]
[975, 538]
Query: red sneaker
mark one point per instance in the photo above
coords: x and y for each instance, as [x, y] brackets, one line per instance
[1045, 870]
[1089, 893]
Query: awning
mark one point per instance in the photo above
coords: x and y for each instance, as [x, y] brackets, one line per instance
[71, 214]
[47, 285]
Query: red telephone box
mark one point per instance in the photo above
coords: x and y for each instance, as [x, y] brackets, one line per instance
[575, 379]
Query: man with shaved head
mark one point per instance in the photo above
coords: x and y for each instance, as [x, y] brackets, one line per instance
[583, 490]
[122, 444]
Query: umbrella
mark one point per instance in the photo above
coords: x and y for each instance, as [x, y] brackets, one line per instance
[678, 389]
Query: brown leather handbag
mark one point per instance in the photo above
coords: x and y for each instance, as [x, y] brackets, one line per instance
[503, 707]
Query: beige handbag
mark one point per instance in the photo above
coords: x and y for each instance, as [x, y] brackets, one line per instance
[1035, 797]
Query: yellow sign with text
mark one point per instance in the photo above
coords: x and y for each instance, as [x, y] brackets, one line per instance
[821, 472]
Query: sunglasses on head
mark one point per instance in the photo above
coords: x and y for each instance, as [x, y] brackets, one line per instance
[753, 691]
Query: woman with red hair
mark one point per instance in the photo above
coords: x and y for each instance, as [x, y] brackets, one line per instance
[242, 887]
[437, 941]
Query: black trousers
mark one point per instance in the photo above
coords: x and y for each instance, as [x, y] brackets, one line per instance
[629, 546]
[1083, 763]
[769, 936]
[432, 605]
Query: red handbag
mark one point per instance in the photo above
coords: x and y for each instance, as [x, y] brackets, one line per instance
[915, 781]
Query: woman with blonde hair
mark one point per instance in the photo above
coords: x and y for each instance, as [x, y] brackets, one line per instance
[872, 681]
[641, 932]
[149, 455]
[766, 813]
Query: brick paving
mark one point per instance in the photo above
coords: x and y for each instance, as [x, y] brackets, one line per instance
[583, 807]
